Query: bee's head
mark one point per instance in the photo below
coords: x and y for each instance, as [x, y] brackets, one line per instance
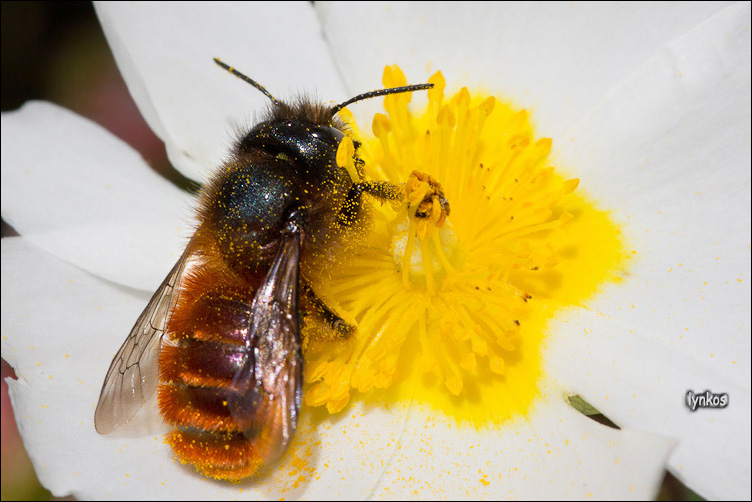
[305, 133]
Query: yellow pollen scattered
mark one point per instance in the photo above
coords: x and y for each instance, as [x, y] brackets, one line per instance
[453, 288]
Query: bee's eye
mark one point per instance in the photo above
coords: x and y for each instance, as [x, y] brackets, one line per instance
[329, 135]
[309, 147]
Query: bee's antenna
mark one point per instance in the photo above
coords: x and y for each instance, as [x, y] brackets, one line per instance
[246, 79]
[380, 92]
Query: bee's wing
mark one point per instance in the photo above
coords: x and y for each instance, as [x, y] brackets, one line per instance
[267, 389]
[134, 372]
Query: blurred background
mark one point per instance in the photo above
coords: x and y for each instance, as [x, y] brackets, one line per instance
[56, 51]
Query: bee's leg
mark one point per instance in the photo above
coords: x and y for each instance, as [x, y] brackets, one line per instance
[335, 321]
[380, 189]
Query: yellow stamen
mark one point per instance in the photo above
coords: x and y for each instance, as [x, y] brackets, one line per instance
[458, 300]
[345, 158]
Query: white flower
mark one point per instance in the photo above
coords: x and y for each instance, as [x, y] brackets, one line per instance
[648, 105]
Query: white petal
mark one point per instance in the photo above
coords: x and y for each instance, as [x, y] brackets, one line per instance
[556, 453]
[60, 367]
[165, 51]
[668, 151]
[628, 374]
[559, 58]
[75, 190]
[58, 328]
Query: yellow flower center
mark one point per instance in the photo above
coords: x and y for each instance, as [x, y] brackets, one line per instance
[453, 291]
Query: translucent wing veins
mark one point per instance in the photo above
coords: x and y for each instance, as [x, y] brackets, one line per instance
[269, 385]
[134, 372]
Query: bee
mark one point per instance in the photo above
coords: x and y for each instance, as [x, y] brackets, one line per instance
[220, 339]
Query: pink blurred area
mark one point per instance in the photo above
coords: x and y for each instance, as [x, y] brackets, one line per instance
[19, 481]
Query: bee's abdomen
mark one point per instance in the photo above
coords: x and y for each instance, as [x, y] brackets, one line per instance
[196, 372]
[201, 364]
[231, 457]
